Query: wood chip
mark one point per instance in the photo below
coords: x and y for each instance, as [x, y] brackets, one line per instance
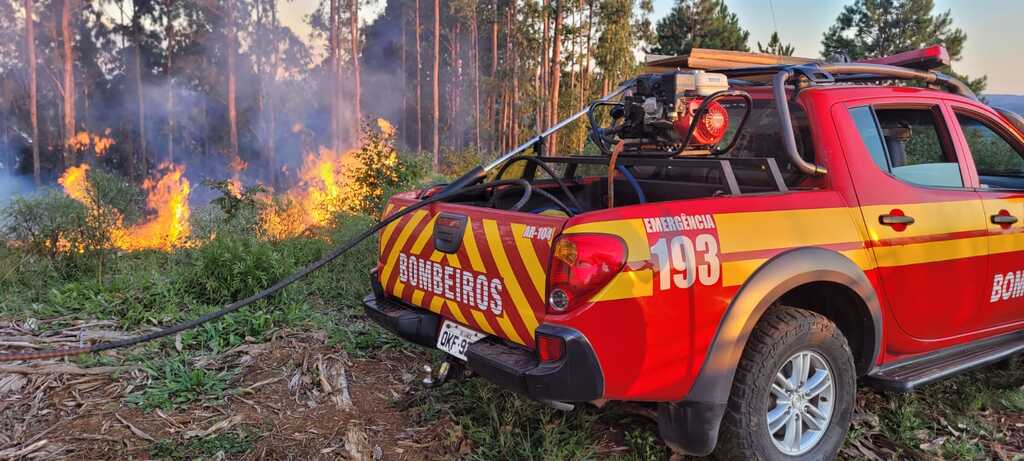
[220, 426]
[138, 432]
[15, 453]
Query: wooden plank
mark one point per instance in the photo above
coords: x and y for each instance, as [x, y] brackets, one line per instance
[706, 59]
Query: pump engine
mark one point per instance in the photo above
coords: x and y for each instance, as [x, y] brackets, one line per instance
[661, 109]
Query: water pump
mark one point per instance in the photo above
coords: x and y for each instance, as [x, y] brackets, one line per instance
[671, 113]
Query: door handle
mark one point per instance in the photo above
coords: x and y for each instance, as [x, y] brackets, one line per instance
[895, 220]
[1004, 219]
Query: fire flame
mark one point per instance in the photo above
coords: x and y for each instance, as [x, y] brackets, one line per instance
[167, 197]
[76, 185]
[83, 140]
[320, 194]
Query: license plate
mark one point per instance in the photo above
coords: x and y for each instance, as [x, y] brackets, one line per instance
[455, 339]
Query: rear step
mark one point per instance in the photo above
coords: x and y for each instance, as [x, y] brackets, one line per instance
[907, 375]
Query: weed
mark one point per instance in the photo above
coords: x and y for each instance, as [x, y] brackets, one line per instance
[232, 443]
[503, 425]
[903, 421]
[960, 448]
[645, 445]
[175, 382]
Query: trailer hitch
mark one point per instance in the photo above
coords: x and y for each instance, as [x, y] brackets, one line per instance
[448, 369]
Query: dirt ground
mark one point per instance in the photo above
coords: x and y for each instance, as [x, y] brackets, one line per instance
[294, 397]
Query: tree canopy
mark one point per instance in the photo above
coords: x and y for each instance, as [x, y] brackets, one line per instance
[700, 24]
[875, 28]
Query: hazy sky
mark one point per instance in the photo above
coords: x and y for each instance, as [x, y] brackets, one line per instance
[995, 30]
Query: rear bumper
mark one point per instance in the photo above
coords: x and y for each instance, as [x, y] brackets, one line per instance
[576, 377]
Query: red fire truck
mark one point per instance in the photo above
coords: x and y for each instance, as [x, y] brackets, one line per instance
[737, 246]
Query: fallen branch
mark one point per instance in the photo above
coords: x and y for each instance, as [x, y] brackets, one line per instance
[64, 369]
[138, 432]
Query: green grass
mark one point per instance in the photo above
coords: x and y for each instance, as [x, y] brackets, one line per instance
[175, 382]
[231, 443]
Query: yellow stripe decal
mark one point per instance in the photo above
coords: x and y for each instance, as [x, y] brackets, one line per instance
[752, 231]
[421, 240]
[435, 304]
[452, 306]
[529, 255]
[397, 247]
[632, 231]
[384, 236]
[477, 263]
[627, 285]
[930, 252]
[417, 297]
[508, 275]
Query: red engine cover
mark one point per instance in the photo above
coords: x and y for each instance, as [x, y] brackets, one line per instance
[711, 128]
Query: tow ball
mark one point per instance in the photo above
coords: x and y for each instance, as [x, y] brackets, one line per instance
[439, 375]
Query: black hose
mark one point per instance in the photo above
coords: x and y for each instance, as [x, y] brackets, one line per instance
[262, 294]
[547, 169]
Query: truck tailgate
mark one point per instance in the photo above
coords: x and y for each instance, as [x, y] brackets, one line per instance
[480, 267]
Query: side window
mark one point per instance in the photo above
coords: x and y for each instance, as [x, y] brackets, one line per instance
[864, 117]
[910, 144]
[999, 163]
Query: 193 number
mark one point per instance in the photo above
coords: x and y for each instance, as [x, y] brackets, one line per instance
[678, 263]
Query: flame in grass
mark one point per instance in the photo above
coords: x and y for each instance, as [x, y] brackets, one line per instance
[166, 198]
[319, 195]
[332, 182]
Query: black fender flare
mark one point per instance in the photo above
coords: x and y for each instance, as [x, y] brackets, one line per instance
[691, 425]
[769, 282]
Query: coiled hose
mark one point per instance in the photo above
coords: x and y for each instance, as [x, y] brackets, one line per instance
[456, 188]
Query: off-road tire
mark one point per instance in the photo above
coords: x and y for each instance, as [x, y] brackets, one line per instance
[779, 335]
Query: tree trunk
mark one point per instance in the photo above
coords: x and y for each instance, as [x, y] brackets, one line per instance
[556, 76]
[437, 86]
[585, 78]
[419, 82]
[69, 85]
[492, 98]
[140, 96]
[232, 84]
[333, 45]
[169, 30]
[403, 121]
[271, 105]
[476, 78]
[514, 105]
[33, 96]
[545, 67]
[455, 87]
[354, 19]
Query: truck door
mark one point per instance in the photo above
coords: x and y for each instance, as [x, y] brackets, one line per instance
[925, 224]
[997, 155]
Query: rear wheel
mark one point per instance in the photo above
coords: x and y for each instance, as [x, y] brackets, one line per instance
[793, 394]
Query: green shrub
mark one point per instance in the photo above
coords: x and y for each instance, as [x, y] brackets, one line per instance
[458, 162]
[49, 224]
[231, 267]
[113, 192]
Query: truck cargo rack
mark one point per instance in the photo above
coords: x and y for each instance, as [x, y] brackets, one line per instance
[727, 166]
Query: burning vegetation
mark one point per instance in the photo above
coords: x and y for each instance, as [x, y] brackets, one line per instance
[166, 199]
[329, 183]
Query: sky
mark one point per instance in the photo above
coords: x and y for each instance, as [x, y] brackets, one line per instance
[995, 30]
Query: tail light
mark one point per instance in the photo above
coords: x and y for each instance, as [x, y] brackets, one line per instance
[550, 348]
[582, 264]
[711, 128]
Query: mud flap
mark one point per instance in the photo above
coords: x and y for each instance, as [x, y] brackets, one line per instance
[690, 427]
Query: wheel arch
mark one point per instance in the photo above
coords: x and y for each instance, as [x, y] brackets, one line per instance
[794, 277]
